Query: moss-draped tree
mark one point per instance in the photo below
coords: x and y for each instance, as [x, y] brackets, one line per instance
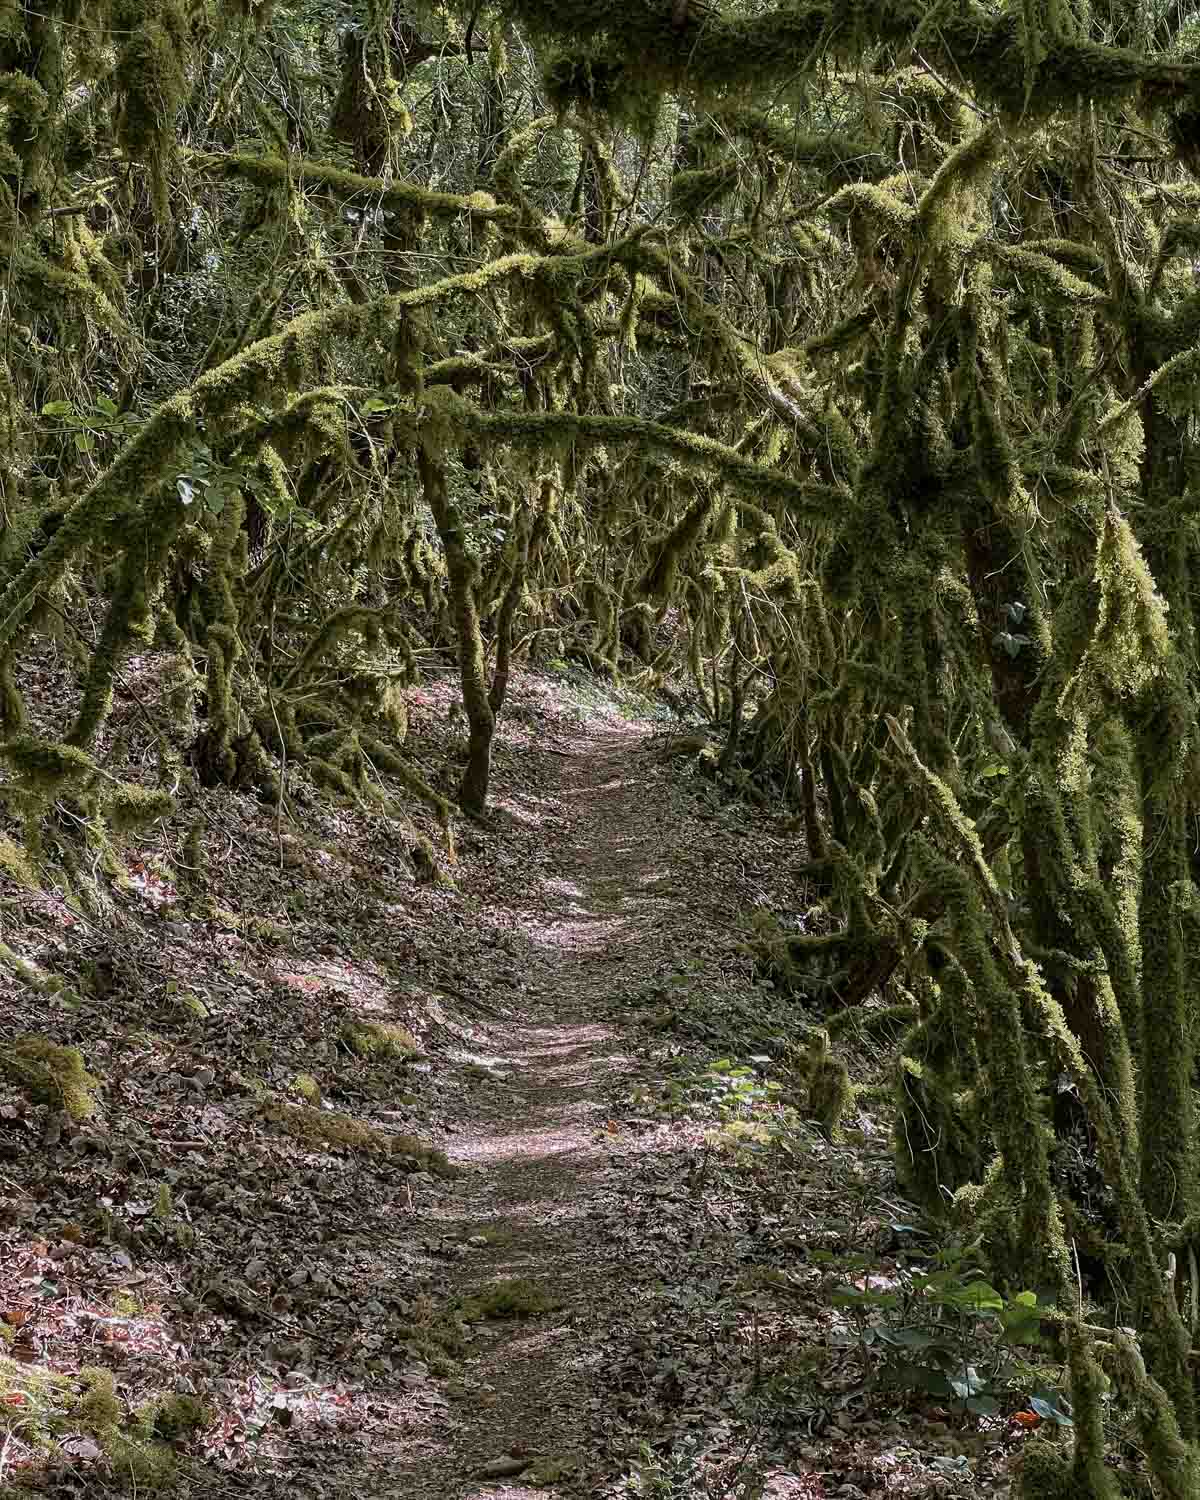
[839, 359]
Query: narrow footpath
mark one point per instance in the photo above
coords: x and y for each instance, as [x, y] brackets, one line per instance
[633, 892]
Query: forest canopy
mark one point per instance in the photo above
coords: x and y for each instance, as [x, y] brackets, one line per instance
[838, 360]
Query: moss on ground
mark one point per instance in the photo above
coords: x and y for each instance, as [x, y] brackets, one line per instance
[51, 1074]
[498, 1234]
[329, 1127]
[518, 1297]
[307, 1087]
[179, 1417]
[190, 1007]
[40, 1407]
[33, 1401]
[16, 863]
[378, 1041]
[436, 1334]
[551, 1468]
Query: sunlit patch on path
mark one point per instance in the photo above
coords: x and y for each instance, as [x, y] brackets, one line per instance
[615, 902]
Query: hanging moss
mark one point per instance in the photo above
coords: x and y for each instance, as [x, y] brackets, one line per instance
[940, 1136]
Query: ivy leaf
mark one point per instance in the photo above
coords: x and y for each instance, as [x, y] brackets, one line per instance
[83, 442]
[1011, 643]
[969, 1383]
[980, 1295]
[1049, 1411]
[58, 409]
[214, 498]
[106, 406]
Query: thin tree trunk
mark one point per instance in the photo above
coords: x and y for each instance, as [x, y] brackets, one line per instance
[505, 618]
[461, 575]
[737, 701]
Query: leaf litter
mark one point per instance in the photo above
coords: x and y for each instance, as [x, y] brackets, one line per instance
[448, 1189]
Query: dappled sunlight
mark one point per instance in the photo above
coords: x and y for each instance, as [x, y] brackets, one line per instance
[316, 974]
[104, 1385]
[520, 811]
[579, 935]
[529, 1147]
[523, 1218]
[338, 1283]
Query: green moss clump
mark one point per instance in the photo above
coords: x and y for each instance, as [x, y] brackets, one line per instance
[97, 1407]
[307, 1087]
[130, 806]
[1045, 1473]
[41, 1406]
[180, 1417]
[830, 1093]
[551, 1468]
[136, 1459]
[436, 1335]
[45, 766]
[378, 1040]
[51, 1074]
[330, 1127]
[16, 864]
[515, 1298]
[32, 1400]
[141, 1463]
[827, 1092]
[191, 1006]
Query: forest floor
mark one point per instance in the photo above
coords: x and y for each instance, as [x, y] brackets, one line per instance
[616, 1282]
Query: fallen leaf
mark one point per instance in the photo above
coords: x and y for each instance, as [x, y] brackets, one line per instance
[84, 1447]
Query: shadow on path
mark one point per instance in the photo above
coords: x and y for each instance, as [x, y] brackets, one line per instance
[543, 1170]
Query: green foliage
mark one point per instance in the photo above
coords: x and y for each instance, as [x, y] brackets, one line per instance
[864, 418]
[947, 1333]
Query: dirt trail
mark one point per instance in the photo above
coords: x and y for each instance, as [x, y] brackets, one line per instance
[625, 892]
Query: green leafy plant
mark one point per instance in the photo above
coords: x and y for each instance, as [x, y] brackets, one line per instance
[87, 426]
[947, 1332]
[685, 1471]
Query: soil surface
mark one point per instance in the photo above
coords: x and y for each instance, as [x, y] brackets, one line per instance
[628, 891]
[619, 1281]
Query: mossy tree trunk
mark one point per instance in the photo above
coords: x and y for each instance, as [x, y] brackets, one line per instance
[462, 579]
